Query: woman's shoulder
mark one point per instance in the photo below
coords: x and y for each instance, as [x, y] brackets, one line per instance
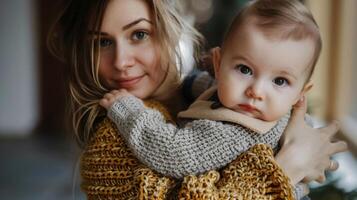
[153, 104]
[105, 130]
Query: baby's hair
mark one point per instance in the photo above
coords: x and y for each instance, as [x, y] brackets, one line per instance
[69, 40]
[279, 19]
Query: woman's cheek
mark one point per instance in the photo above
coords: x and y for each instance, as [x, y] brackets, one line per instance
[156, 70]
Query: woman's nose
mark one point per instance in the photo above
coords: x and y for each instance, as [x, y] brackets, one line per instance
[124, 58]
[255, 91]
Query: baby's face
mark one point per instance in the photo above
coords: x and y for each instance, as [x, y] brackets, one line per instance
[262, 77]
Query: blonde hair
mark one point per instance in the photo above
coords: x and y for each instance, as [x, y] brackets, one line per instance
[281, 19]
[69, 41]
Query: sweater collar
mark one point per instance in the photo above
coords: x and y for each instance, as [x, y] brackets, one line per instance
[201, 109]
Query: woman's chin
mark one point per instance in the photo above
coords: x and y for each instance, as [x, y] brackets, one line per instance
[141, 93]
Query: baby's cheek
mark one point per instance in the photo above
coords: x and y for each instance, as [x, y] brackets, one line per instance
[277, 109]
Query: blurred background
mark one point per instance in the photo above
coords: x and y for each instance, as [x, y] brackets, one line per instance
[38, 155]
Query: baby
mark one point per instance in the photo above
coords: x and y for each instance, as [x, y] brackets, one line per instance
[264, 67]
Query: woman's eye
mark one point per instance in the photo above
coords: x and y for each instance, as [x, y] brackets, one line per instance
[244, 69]
[280, 81]
[139, 35]
[105, 42]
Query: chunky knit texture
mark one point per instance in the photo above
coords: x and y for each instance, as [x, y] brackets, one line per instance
[254, 175]
[110, 171]
[200, 146]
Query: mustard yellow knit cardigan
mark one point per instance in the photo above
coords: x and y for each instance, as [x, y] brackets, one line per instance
[110, 171]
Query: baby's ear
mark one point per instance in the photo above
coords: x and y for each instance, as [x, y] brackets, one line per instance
[307, 87]
[216, 60]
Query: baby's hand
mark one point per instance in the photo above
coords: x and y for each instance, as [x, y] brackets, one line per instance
[109, 98]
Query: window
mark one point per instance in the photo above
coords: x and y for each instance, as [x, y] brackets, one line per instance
[335, 95]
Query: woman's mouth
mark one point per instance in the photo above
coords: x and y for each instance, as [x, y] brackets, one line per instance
[129, 82]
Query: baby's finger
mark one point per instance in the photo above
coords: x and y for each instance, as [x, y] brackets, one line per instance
[104, 103]
[108, 96]
[114, 92]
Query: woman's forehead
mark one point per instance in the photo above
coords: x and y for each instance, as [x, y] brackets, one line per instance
[124, 12]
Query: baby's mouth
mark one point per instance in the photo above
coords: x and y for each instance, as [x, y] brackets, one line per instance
[247, 107]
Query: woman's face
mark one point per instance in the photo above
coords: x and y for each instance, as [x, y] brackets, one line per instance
[129, 51]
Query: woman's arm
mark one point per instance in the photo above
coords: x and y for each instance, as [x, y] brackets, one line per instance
[311, 148]
[306, 152]
[198, 147]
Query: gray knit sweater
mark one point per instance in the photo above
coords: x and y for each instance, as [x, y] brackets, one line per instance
[200, 146]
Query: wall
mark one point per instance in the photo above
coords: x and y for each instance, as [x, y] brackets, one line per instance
[335, 92]
[18, 67]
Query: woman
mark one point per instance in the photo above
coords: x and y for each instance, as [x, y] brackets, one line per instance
[134, 45]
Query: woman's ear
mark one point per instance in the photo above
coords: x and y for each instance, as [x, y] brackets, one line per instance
[216, 60]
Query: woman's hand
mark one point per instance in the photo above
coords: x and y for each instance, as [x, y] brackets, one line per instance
[109, 98]
[306, 152]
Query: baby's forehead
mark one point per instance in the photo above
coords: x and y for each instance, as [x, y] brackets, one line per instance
[297, 71]
[293, 56]
[275, 32]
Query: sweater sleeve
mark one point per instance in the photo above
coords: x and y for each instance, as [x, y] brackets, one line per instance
[200, 146]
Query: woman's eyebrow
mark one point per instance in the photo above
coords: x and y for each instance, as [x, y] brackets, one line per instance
[136, 22]
[99, 33]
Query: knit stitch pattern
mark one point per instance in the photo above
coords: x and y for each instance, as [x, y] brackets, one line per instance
[110, 171]
[200, 146]
[253, 175]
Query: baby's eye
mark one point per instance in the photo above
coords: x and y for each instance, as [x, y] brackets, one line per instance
[139, 35]
[104, 42]
[280, 81]
[244, 69]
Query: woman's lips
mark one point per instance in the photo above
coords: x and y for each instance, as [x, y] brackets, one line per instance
[129, 82]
